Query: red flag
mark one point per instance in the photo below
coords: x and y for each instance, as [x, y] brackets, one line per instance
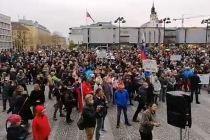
[89, 16]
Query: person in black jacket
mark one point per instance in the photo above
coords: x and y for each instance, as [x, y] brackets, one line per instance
[21, 105]
[69, 101]
[99, 104]
[195, 80]
[142, 98]
[37, 97]
[89, 116]
[15, 131]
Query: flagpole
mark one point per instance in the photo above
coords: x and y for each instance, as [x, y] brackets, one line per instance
[86, 17]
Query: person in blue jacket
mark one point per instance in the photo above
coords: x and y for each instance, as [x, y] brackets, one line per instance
[187, 74]
[121, 99]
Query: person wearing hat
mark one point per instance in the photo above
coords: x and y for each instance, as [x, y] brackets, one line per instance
[15, 131]
[40, 126]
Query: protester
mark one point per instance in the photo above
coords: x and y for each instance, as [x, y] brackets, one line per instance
[148, 122]
[40, 126]
[195, 80]
[15, 131]
[142, 94]
[36, 97]
[157, 88]
[89, 115]
[121, 98]
[99, 104]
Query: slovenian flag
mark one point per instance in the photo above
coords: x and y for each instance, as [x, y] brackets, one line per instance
[144, 53]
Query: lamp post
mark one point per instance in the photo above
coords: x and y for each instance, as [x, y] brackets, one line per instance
[119, 20]
[207, 22]
[165, 21]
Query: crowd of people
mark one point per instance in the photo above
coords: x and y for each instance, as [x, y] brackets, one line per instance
[78, 79]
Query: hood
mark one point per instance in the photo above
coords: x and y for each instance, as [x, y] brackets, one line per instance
[40, 109]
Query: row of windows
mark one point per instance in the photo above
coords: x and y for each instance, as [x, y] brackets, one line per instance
[5, 44]
[5, 32]
[4, 25]
[6, 38]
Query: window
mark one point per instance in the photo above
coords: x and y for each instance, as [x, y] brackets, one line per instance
[149, 37]
[154, 37]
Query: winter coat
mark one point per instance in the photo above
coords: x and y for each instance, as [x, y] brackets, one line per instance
[21, 107]
[157, 87]
[16, 133]
[89, 116]
[146, 123]
[195, 80]
[98, 102]
[142, 92]
[40, 126]
[36, 98]
[121, 98]
[86, 89]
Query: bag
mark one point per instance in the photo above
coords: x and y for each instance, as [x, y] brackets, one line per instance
[81, 123]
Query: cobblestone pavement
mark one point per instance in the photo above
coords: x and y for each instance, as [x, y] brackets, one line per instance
[61, 131]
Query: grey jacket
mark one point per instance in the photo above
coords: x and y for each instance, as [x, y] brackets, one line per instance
[146, 123]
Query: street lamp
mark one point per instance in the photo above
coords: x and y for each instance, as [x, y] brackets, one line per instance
[207, 22]
[119, 20]
[165, 21]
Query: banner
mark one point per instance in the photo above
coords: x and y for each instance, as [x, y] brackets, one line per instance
[204, 79]
[150, 65]
[175, 57]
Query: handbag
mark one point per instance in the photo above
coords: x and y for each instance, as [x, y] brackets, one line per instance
[81, 123]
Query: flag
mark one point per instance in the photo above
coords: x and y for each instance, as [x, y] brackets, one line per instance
[89, 16]
[143, 53]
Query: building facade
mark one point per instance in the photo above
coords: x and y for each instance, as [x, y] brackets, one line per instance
[40, 35]
[152, 33]
[5, 33]
[58, 41]
[21, 37]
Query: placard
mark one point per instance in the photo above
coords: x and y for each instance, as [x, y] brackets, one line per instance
[204, 79]
[175, 57]
[150, 65]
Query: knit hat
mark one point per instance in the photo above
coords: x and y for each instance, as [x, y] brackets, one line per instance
[14, 119]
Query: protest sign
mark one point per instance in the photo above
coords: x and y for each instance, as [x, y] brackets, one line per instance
[204, 79]
[175, 57]
[150, 65]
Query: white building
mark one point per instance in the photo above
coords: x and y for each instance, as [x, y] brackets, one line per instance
[5, 32]
[151, 33]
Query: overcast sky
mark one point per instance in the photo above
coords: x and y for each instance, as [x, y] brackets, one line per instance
[59, 15]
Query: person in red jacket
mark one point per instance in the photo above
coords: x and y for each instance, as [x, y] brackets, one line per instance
[40, 126]
[86, 88]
